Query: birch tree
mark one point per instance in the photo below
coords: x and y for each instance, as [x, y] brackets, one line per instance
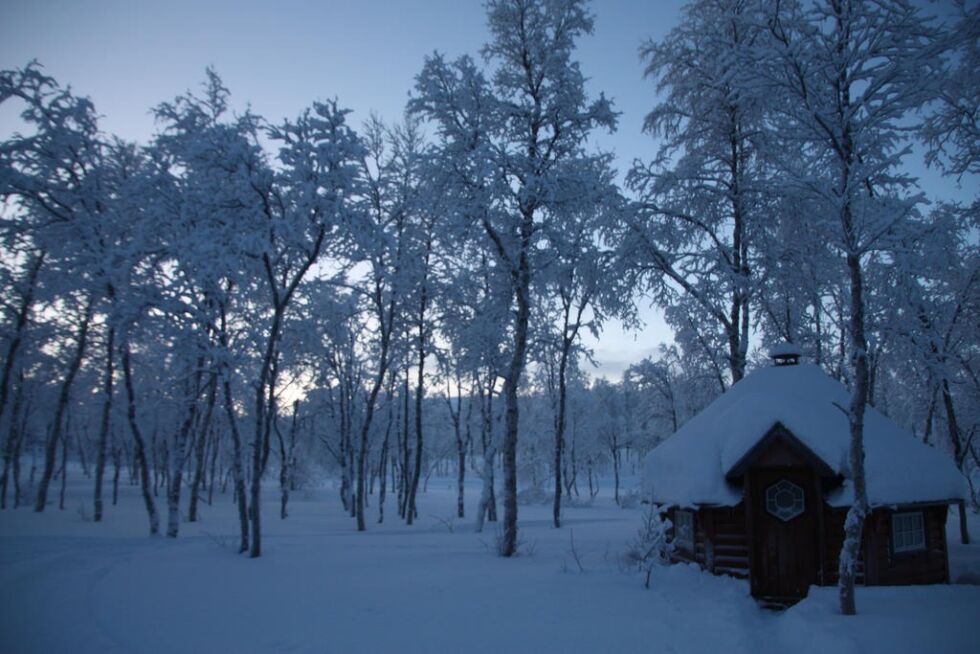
[851, 73]
[702, 200]
[515, 141]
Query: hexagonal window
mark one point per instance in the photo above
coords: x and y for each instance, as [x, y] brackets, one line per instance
[784, 500]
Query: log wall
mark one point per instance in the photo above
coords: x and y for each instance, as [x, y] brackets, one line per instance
[721, 545]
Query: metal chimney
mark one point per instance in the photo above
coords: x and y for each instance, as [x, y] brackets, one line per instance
[785, 354]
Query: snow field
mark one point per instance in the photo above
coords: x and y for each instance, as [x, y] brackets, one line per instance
[70, 585]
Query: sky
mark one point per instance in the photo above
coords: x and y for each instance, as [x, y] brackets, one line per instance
[130, 55]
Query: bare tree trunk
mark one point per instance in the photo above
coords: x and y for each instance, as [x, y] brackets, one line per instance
[615, 460]
[927, 431]
[383, 464]
[488, 501]
[566, 345]
[461, 445]
[20, 325]
[406, 452]
[854, 522]
[486, 509]
[215, 448]
[64, 470]
[117, 466]
[952, 427]
[345, 444]
[19, 444]
[460, 477]
[237, 466]
[106, 412]
[140, 447]
[80, 443]
[366, 430]
[286, 462]
[237, 459]
[200, 446]
[12, 446]
[180, 454]
[572, 473]
[412, 511]
[522, 291]
[50, 450]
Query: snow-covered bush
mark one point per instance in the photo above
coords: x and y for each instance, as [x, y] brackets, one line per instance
[650, 547]
[630, 499]
[576, 502]
[533, 495]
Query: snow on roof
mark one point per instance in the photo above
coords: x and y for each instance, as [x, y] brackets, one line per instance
[689, 468]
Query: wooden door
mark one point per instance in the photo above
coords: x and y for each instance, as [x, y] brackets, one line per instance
[784, 532]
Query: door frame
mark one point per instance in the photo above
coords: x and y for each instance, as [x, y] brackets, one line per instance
[757, 481]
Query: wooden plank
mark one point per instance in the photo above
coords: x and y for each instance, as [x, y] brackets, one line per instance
[821, 535]
[709, 539]
[722, 550]
[749, 524]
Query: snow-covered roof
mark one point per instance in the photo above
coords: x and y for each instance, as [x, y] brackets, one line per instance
[689, 468]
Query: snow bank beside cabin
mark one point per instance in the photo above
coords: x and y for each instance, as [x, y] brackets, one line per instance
[690, 467]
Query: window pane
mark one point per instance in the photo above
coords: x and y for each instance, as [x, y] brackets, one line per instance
[908, 531]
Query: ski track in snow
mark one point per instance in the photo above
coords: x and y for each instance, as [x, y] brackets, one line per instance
[69, 585]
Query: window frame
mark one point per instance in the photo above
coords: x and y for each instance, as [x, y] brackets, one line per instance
[684, 542]
[901, 530]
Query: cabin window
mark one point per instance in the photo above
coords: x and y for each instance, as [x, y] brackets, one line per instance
[785, 500]
[684, 530]
[908, 532]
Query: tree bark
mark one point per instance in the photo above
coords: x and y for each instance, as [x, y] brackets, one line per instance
[117, 470]
[179, 454]
[854, 523]
[106, 413]
[286, 462]
[405, 450]
[50, 450]
[139, 444]
[12, 446]
[411, 512]
[20, 325]
[560, 423]
[508, 546]
[64, 470]
[200, 447]
[488, 500]
[237, 466]
[366, 430]
[383, 463]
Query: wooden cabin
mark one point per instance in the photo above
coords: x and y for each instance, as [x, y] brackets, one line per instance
[758, 486]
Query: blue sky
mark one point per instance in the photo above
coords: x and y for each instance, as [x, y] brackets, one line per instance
[131, 55]
[128, 56]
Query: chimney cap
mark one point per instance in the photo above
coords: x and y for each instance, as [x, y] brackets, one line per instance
[786, 354]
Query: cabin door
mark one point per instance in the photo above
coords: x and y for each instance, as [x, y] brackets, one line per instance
[784, 532]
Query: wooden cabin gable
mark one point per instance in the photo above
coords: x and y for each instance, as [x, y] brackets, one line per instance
[779, 448]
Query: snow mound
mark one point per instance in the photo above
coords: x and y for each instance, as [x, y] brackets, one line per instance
[689, 468]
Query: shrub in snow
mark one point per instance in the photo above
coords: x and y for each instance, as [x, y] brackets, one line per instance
[83, 513]
[534, 495]
[575, 502]
[630, 499]
[650, 547]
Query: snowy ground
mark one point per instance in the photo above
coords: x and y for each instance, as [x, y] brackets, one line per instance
[69, 585]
